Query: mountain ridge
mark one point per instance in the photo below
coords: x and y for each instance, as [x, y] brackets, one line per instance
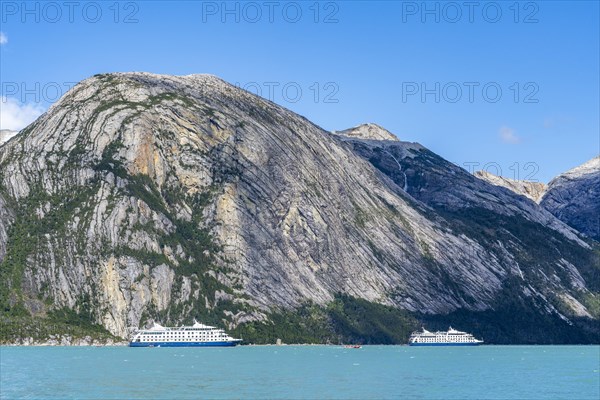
[573, 198]
[367, 131]
[532, 190]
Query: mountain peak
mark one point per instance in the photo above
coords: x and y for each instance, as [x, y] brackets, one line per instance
[368, 131]
[154, 76]
[573, 197]
[147, 84]
[589, 167]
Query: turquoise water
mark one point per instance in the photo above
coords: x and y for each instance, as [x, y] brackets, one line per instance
[294, 372]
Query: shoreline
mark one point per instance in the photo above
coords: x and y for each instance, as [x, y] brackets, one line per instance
[66, 341]
[126, 344]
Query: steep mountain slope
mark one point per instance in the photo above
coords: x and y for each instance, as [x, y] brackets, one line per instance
[140, 197]
[574, 198]
[531, 190]
[529, 242]
[440, 184]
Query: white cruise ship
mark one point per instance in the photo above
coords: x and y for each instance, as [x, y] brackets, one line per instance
[195, 335]
[452, 337]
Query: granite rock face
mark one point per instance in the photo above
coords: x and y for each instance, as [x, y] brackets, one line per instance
[6, 218]
[574, 198]
[531, 190]
[367, 131]
[142, 197]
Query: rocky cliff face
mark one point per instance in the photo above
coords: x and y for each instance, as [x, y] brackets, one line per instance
[574, 198]
[531, 190]
[140, 197]
[6, 219]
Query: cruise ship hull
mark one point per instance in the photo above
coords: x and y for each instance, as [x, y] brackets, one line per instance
[183, 344]
[444, 344]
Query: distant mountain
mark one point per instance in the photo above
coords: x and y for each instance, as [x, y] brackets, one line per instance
[6, 135]
[574, 198]
[141, 197]
[368, 131]
[531, 190]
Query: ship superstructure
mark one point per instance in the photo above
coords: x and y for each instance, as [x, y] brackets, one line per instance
[451, 337]
[195, 335]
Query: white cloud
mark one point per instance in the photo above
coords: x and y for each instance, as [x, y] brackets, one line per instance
[16, 116]
[6, 135]
[3, 38]
[508, 135]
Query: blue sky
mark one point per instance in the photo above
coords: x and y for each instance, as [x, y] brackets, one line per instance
[510, 86]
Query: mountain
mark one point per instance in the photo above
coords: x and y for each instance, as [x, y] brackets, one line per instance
[141, 197]
[531, 190]
[573, 197]
[368, 131]
[6, 135]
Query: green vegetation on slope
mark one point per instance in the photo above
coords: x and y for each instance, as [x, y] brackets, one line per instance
[64, 323]
[345, 320]
[351, 320]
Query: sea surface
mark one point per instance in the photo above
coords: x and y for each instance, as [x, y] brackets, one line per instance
[301, 372]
